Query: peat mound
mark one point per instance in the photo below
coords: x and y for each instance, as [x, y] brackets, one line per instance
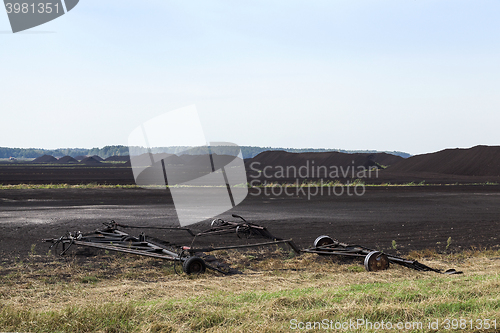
[45, 159]
[67, 159]
[118, 159]
[97, 158]
[284, 159]
[90, 161]
[80, 157]
[223, 160]
[384, 159]
[148, 159]
[187, 158]
[193, 161]
[317, 164]
[174, 160]
[478, 161]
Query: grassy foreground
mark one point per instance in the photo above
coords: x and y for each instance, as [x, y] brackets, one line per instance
[275, 293]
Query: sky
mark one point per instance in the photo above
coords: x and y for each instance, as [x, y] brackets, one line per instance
[408, 75]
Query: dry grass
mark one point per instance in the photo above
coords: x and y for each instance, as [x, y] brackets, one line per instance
[121, 293]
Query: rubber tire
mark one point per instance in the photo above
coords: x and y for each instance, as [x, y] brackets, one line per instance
[194, 265]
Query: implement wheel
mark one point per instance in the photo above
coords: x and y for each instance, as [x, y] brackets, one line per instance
[217, 223]
[243, 232]
[323, 240]
[376, 261]
[194, 265]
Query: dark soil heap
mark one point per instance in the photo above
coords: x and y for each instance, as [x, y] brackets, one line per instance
[80, 157]
[174, 160]
[90, 161]
[118, 159]
[475, 161]
[275, 160]
[284, 159]
[187, 158]
[45, 159]
[66, 159]
[147, 159]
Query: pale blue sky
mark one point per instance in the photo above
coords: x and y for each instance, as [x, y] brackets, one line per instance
[410, 75]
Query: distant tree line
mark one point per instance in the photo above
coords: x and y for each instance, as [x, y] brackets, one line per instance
[252, 151]
[104, 152]
[107, 151]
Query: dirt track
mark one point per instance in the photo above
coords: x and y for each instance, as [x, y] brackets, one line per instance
[414, 217]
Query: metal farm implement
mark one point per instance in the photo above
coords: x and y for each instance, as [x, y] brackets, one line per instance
[373, 260]
[193, 260]
[196, 260]
[112, 239]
